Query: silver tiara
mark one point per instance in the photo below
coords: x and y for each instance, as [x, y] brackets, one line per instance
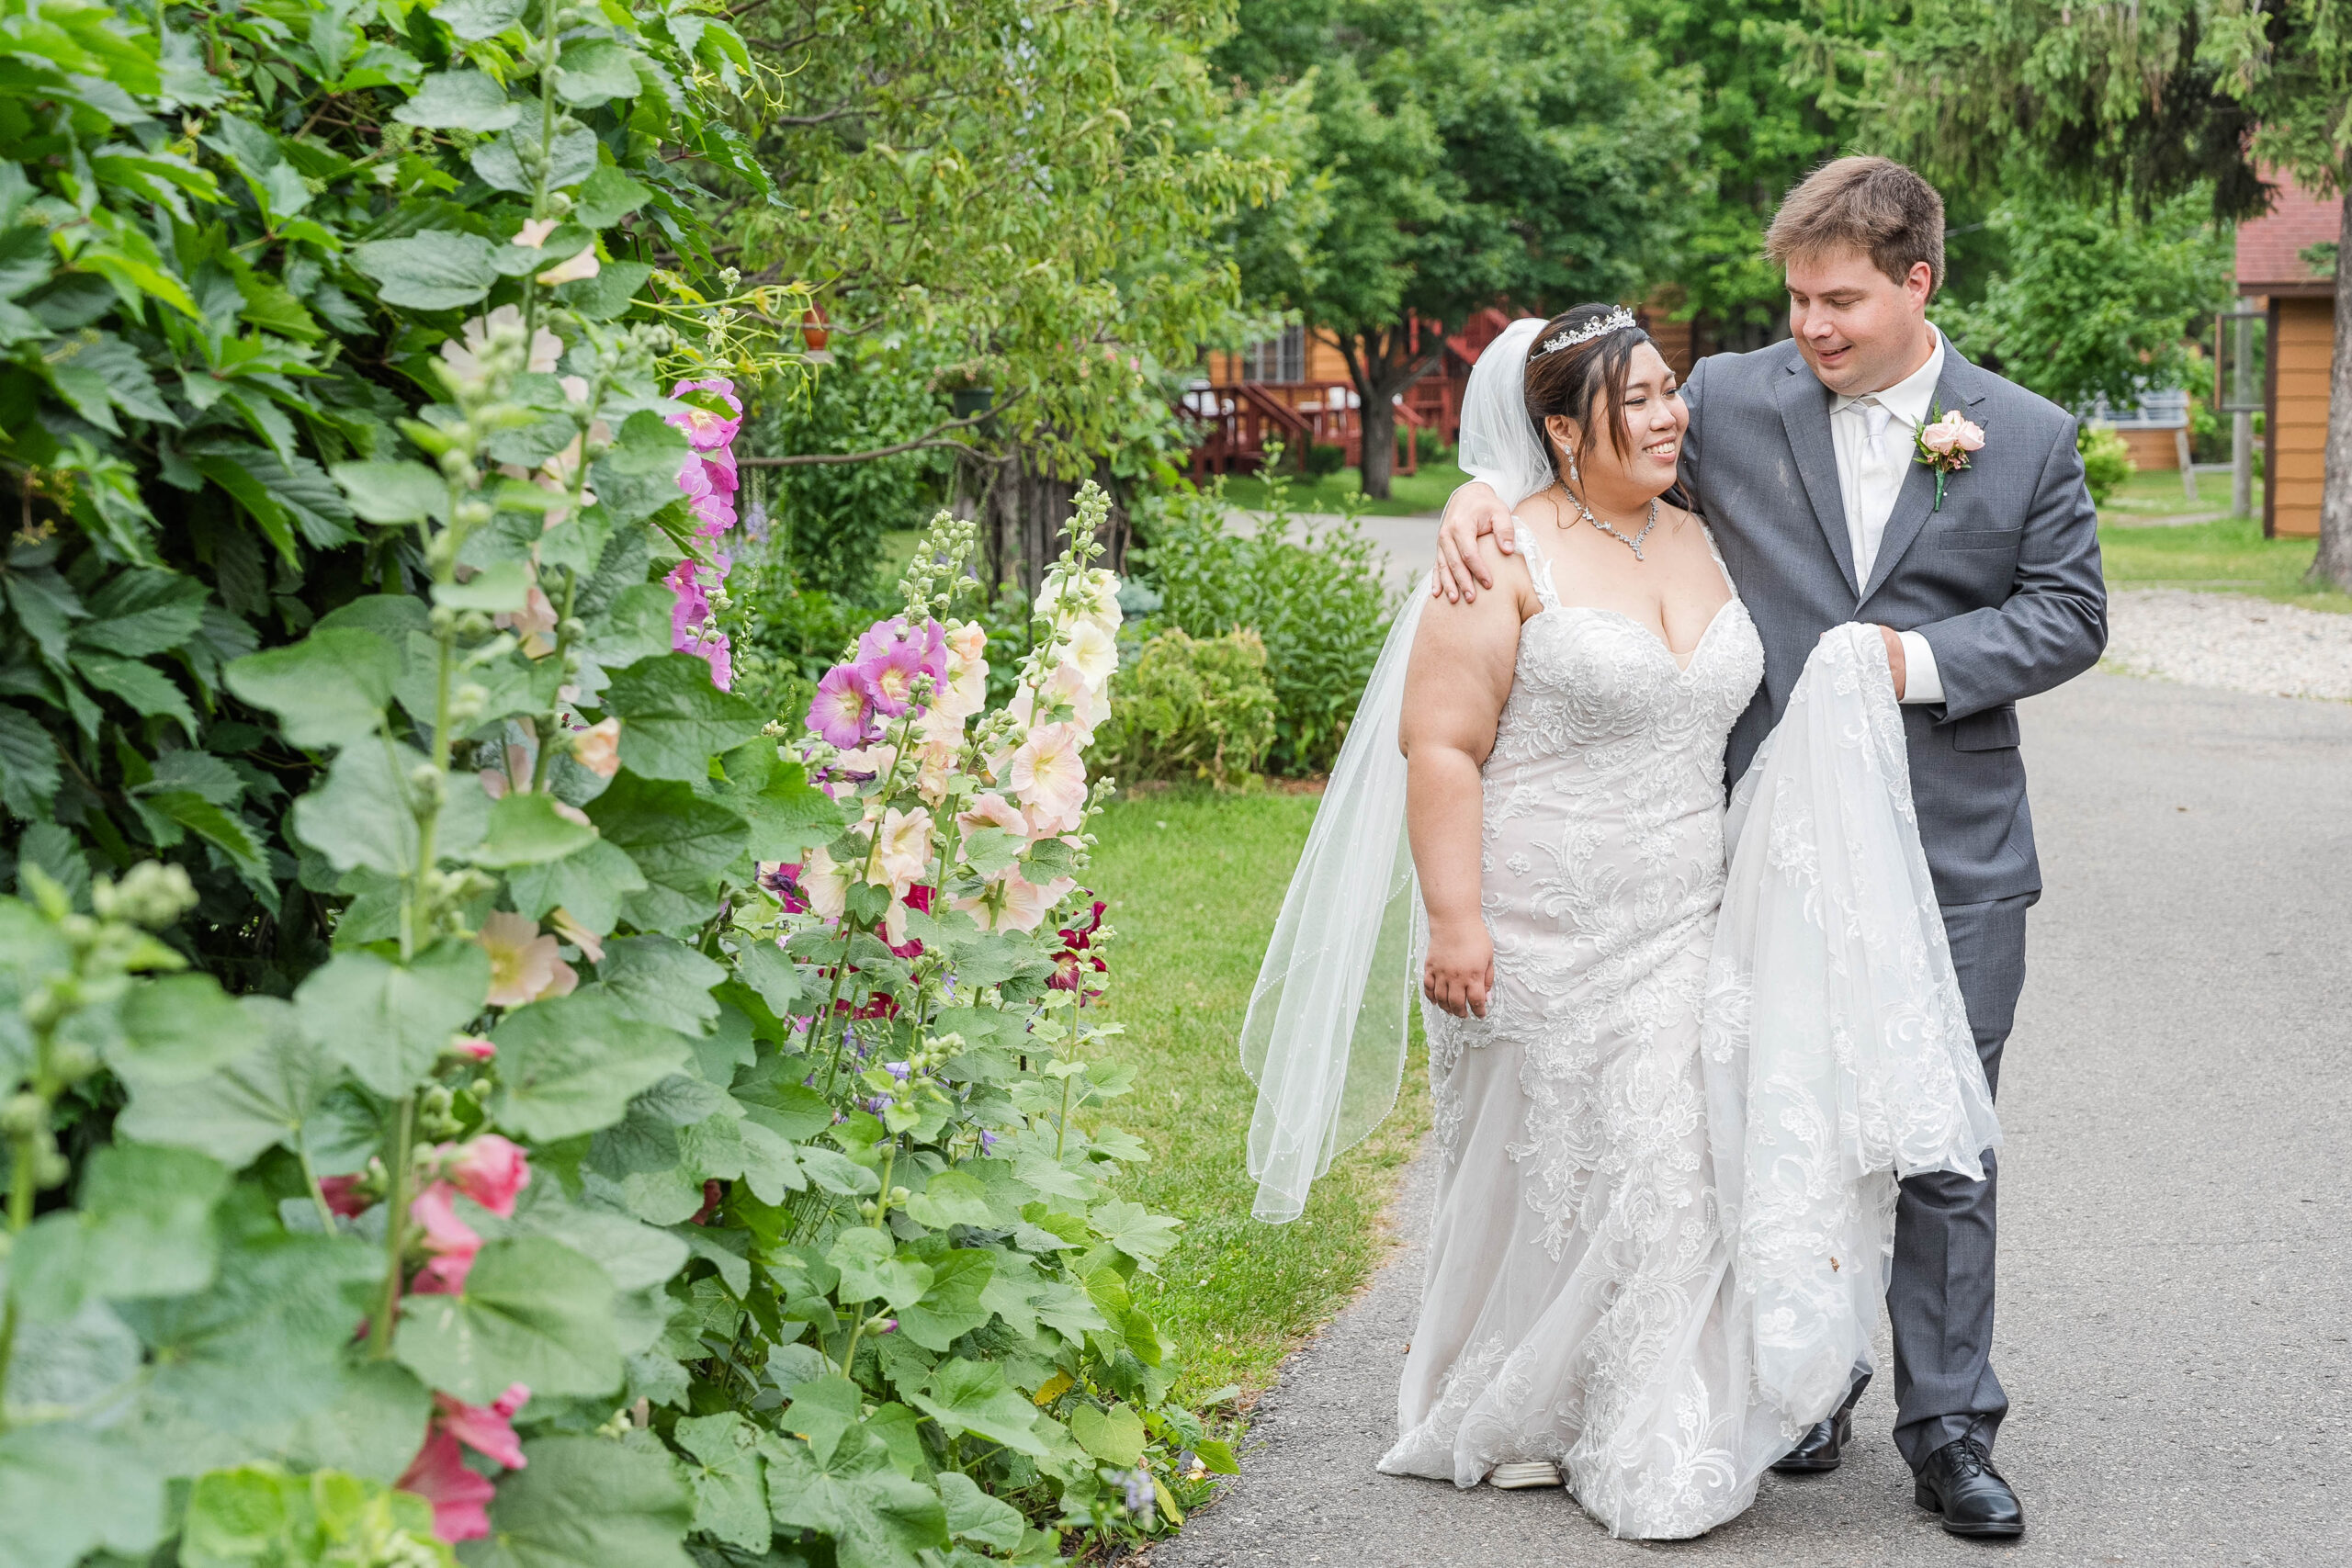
[1617, 320]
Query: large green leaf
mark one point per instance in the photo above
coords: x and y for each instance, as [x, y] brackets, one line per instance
[871, 1268]
[588, 885]
[261, 1096]
[328, 690]
[141, 1226]
[267, 1343]
[393, 493]
[571, 1065]
[974, 1396]
[588, 1503]
[972, 1515]
[458, 100]
[388, 1021]
[361, 816]
[438, 270]
[656, 980]
[533, 1311]
[951, 1306]
[66, 1490]
[595, 71]
[1135, 1230]
[369, 1426]
[178, 1027]
[679, 841]
[786, 813]
[876, 1518]
[528, 830]
[673, 720]
[1115, 1435]
[730, 1491]
[141, 612]
[147, 690]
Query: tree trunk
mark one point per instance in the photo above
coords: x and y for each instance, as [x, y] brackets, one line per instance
[2332, 566]
[1378, 419]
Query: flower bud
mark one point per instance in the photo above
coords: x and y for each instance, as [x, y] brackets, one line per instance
[24, 1114]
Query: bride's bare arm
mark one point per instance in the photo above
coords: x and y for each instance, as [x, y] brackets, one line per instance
[1455, 689]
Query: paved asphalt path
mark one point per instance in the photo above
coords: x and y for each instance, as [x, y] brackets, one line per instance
[2177, 1236]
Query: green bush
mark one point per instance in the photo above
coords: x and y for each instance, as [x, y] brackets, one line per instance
[1323, 458]
[1193, 709]
[1316, 595]
[2107, 460]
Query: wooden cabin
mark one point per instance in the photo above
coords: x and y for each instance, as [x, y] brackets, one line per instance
[2301, 312]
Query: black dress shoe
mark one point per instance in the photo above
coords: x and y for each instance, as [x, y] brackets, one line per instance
[1821, 1449]
[1959, 1483]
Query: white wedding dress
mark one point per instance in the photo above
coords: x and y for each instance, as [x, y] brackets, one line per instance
[1719, 1035]
[1576, 1260]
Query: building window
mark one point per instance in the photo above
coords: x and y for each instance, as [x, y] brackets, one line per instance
[1280, 359]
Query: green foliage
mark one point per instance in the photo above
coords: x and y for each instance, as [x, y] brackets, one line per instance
[1193, 708]
[390, 946]
[2107, 460]
[1315, 594]
[2096, 302]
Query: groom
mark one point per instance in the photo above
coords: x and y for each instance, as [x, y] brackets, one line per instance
[1805, 458]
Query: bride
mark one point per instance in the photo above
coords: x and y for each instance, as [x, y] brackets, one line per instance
[1673, 1087]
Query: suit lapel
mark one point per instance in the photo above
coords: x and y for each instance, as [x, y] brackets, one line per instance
[1804, 410]
[1961, 386]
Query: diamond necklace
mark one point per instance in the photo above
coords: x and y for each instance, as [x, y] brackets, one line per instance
[1634, 544]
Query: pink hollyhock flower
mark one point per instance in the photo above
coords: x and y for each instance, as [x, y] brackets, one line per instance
[464, 353]
[534, 624]
[344, 1197]
[488, 1429]
[535, 231]
[448, 1240]
[718, 652]
[569, 927]
[693, 605]
[598, 747]
[1047, 769]
[473, 1046]
[523, 962]
[1043, 823]
[719, 467]
[706, 430]
[1014, 903]
[826, 885]
[460, 1497]
[966, 639]
[584, 266]
[491, 1170]
[843, 706]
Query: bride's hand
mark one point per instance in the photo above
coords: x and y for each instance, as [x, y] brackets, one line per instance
[1459, 970]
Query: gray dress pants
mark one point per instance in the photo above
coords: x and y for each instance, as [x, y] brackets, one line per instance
[1940, 1299]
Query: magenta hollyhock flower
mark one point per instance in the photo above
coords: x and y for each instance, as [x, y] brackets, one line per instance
[460, 1497]
[843, 707]
[491, 1170]
[719, 467]
[344, 1197]
[690, 617]
[706, 430]
[891, 654]
[488, 1429]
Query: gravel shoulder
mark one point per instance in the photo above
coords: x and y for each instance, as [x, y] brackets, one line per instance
[2231, 641]
[2173, 1263]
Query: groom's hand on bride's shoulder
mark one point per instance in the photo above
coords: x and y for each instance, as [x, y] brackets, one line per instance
[1472, 510]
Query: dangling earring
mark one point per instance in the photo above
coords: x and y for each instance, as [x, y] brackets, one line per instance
[1568, 450]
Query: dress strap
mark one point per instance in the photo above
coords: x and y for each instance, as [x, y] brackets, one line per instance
[1709, 534]
[1539, 568]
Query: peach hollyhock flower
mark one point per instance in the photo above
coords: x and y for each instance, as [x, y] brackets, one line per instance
[464, 353]
[490, 1170]
[598, 747]
[1048, 771]
[904, 848]
[1014, 903]
[450, 1242]
[1091, 595]
[826, 885]
[1066, 684]
[535, 231]
[582, 266]
[1043, 824]
[572, 930]
[524, 965]
[992, 810]
[967, 640]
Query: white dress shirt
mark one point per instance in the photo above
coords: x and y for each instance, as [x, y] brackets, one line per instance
[1874, 438]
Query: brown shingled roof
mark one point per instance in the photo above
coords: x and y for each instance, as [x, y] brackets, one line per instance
[2271, 247]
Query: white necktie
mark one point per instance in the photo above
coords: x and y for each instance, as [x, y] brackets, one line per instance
[1875, 415]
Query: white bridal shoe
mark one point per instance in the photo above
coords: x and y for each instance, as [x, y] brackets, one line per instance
[1520, 1474]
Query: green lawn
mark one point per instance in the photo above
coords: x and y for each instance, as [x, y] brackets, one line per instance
[1408, 494]
[1195, 881]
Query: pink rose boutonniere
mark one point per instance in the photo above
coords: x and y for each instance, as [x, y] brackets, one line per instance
[1944, 444]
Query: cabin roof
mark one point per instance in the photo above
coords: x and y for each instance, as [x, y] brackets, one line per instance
[2271, 247]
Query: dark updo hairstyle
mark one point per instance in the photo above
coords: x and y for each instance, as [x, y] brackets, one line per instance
[1575, 381]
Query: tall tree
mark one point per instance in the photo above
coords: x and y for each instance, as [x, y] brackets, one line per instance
[1466, 155]
[2148, 99]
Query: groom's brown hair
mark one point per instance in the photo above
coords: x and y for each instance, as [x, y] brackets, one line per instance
[1872, 205]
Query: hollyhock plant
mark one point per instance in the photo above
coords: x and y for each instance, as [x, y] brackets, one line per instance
[488, 1429]
[705, 430]
[843, 706]
[598, 747]
[491, 1169]
[706, 479]
[524, 963]
[460, 1496]
[449, 1243]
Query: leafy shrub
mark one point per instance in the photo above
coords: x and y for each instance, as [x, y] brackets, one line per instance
[2107, 460]
[1193, 708]
[400, 937]
[1315, 594]
[1322, 458]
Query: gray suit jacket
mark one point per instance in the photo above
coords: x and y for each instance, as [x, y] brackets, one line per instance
[2004, 582]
